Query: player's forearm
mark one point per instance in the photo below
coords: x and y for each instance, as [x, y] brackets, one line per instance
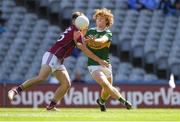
[101, 40]
[91, 55]
[87, 52]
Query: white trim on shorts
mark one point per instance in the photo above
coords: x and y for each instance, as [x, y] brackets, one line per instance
[105, 70]
[51, 60]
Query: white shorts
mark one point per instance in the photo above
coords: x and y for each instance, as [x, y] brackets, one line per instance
[51, 60]
[105, 70]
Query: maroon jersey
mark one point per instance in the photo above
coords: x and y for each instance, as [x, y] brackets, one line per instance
[65, 44]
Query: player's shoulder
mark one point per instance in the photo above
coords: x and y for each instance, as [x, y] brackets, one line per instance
[92, 29]
[95, 29]
[71, 28]
[108, 31]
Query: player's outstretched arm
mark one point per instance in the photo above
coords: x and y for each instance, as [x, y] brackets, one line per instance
[101, 40]
[91, 55]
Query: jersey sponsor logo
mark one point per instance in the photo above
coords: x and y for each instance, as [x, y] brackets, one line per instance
[97, 45]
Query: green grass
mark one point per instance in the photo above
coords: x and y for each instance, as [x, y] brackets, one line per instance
[89, 114]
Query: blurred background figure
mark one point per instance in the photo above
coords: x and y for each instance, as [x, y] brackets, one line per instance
[169, 7]
[78, 77]
[143, 4]
[2, 23]
[135, 4]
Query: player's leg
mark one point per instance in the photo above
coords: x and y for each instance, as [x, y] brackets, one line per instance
[64, 79]
[46, 67]
[104, 94]
[65, 84]
[108, 73]
[104, 97]
[104, 83]
[43, 74]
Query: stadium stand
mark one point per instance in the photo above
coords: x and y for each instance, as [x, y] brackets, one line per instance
[147, 41]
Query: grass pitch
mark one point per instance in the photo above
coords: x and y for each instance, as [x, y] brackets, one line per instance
[89, 114]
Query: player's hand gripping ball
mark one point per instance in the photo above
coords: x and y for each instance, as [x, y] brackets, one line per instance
[82, 22]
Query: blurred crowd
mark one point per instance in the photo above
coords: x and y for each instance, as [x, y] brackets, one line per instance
[2, 23]
[169, 7]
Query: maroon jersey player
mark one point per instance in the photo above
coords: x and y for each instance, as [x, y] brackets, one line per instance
[52, 62]
[65, 44]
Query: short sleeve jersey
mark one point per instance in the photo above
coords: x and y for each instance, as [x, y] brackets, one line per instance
[100, 50]
[65, 44]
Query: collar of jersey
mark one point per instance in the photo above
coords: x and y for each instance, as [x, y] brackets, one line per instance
[101, 30]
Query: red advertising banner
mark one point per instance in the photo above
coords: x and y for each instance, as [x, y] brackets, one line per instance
[85, 95]
[2, 94]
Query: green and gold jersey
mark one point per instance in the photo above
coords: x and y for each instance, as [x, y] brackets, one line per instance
[99, 49]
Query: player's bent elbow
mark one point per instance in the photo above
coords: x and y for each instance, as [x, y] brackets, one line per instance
[81, 47]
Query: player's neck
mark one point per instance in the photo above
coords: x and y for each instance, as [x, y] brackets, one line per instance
[101, 29]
